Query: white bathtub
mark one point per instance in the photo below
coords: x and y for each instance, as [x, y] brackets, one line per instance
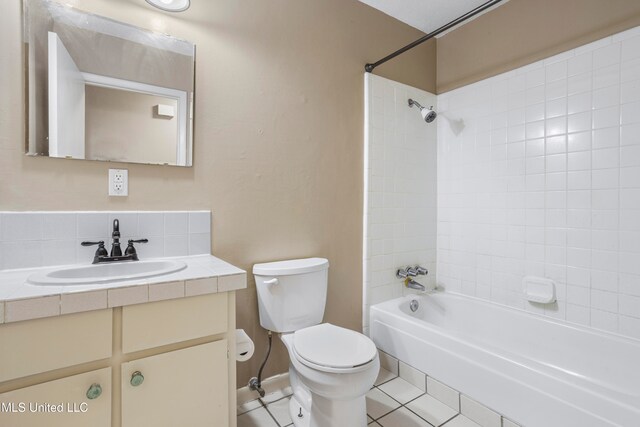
[532, 369]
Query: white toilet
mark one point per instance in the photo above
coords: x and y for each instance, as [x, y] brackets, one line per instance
[331, 368]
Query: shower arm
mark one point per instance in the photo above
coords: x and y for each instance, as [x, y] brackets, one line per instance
[412, 103]
[370, 67]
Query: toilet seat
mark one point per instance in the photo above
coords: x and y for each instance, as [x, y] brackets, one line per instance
[330, 348]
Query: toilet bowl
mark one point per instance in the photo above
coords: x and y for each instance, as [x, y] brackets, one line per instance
[330, 368]
[330, 389]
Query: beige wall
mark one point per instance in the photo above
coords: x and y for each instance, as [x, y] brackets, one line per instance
[278, 152]
[524, 31]
[123, 125]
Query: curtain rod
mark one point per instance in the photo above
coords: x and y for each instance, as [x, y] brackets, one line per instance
[370, 67]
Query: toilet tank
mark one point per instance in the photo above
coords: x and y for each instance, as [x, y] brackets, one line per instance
[291, 294]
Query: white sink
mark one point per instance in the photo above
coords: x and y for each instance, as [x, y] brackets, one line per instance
[105, 273]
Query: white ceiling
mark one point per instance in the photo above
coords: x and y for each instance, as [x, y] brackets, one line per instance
[426, 15]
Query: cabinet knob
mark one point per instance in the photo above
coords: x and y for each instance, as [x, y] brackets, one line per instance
[137, 378]
[94, 391]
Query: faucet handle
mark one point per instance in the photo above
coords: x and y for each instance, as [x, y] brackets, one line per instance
[421, 270]
[401, 274]
[100, 252]
[131, 250]
[411, 271]
[100, 243]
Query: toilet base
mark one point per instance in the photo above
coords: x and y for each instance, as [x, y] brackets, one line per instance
[295, 410]
[329, 413]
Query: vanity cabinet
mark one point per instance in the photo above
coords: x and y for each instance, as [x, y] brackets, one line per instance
[165, 363]
[61, 402]
[180, 388]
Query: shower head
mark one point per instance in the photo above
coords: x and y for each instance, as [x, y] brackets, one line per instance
[427, 113]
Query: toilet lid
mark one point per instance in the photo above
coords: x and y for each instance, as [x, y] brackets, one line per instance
[332, 346]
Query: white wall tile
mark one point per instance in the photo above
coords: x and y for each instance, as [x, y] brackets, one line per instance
[401, 152]
[150, 224]
[579, 192]
[177, 245]
[176, 223]
[20, 226]
[37, 239]
[60, 226]
[199, 244]
[21, 254]
[58, 252]
[200, 222]
[92, 225]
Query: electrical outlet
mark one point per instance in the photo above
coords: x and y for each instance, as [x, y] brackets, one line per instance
[118, 182]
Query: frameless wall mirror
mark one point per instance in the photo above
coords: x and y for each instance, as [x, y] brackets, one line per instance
[104, 90]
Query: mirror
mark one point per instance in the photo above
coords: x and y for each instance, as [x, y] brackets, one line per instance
[104, 90]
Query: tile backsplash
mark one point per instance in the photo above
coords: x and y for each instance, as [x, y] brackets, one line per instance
[539, 174]
[39, 239]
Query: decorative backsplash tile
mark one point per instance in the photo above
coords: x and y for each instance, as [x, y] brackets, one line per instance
[37, 239]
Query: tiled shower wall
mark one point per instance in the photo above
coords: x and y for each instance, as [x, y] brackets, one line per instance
[40, 239]
[400, 189]
[539, 174]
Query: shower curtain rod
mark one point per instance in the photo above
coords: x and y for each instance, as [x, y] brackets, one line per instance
[370, 67]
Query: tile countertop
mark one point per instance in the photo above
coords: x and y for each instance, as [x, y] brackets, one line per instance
[204, 274]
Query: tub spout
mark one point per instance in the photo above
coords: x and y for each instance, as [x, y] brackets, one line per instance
[412, 284]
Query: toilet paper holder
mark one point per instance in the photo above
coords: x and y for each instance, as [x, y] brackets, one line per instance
[244, 346]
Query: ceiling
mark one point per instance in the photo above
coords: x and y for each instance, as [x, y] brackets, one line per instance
[426, 15]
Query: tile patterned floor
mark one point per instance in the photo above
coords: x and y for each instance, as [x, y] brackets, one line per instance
[392, 402]
[395, 402]
[270, 411]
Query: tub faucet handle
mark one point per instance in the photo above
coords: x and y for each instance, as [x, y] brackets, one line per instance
[412, 272]
[421, 270]
[401, 274]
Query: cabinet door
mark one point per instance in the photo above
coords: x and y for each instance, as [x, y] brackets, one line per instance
[33, 406]
[186, 387]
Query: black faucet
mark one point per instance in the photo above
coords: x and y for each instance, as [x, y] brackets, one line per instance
[102, 255]
[115, 246]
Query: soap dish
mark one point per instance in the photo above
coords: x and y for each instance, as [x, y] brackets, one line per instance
[539, 289]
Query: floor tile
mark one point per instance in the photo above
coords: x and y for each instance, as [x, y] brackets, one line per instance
[403, 418]
[413, 376]
[384, 376]
[401, 390]
[256, 418]
[379, 404]
[276, 395]
[479, 413]
[280, 411]
[248, 406]
[432, 410]
[461, 421]
[443, 393]
[388, 362]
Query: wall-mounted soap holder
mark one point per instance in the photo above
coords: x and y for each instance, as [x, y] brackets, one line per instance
[539, 289]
